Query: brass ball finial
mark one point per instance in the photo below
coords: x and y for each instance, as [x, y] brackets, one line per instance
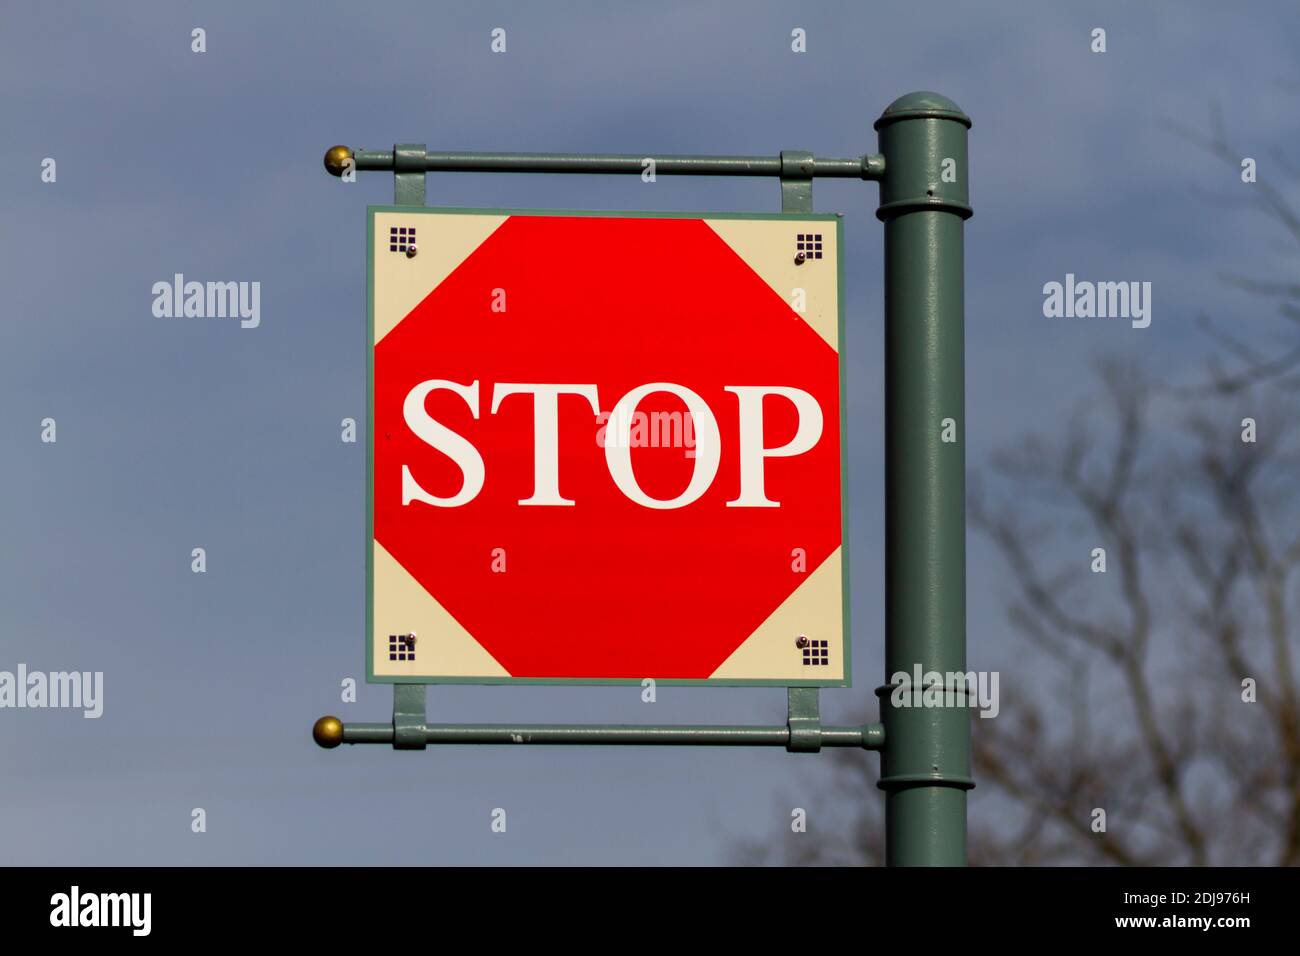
[335, 158]
[328, 732]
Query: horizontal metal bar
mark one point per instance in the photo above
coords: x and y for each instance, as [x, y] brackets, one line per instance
[861, 167]
[869, 737]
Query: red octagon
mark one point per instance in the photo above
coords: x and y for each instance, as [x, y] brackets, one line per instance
[605, 588]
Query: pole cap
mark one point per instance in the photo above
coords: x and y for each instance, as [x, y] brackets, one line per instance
[922, 105]
[336, 158]
[328, 732]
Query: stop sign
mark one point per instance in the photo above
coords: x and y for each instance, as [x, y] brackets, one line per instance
[605, 447]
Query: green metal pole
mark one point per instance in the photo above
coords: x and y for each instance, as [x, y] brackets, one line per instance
[925, 766]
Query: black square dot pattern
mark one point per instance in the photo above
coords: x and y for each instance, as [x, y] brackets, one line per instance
[401, 647]
[817, 654]
[810, 244]
[401, 238]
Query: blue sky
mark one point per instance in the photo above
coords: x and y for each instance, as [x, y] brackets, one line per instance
[179, 434]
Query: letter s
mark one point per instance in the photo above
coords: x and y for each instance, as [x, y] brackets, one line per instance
[439, 436]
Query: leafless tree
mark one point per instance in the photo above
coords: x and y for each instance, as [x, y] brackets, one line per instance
[1179, 680]
[1162, 690]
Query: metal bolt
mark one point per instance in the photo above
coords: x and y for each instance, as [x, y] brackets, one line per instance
[798, 259]
[410, 639]
[801, 641]
[410, 252]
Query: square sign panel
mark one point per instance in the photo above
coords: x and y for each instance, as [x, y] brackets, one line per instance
[605, 447]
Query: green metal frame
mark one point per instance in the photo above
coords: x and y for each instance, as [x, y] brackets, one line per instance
[803, 731]
[925, 764]
[373, 678]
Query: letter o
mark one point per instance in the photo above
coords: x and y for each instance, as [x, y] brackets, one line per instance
[708, 446]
